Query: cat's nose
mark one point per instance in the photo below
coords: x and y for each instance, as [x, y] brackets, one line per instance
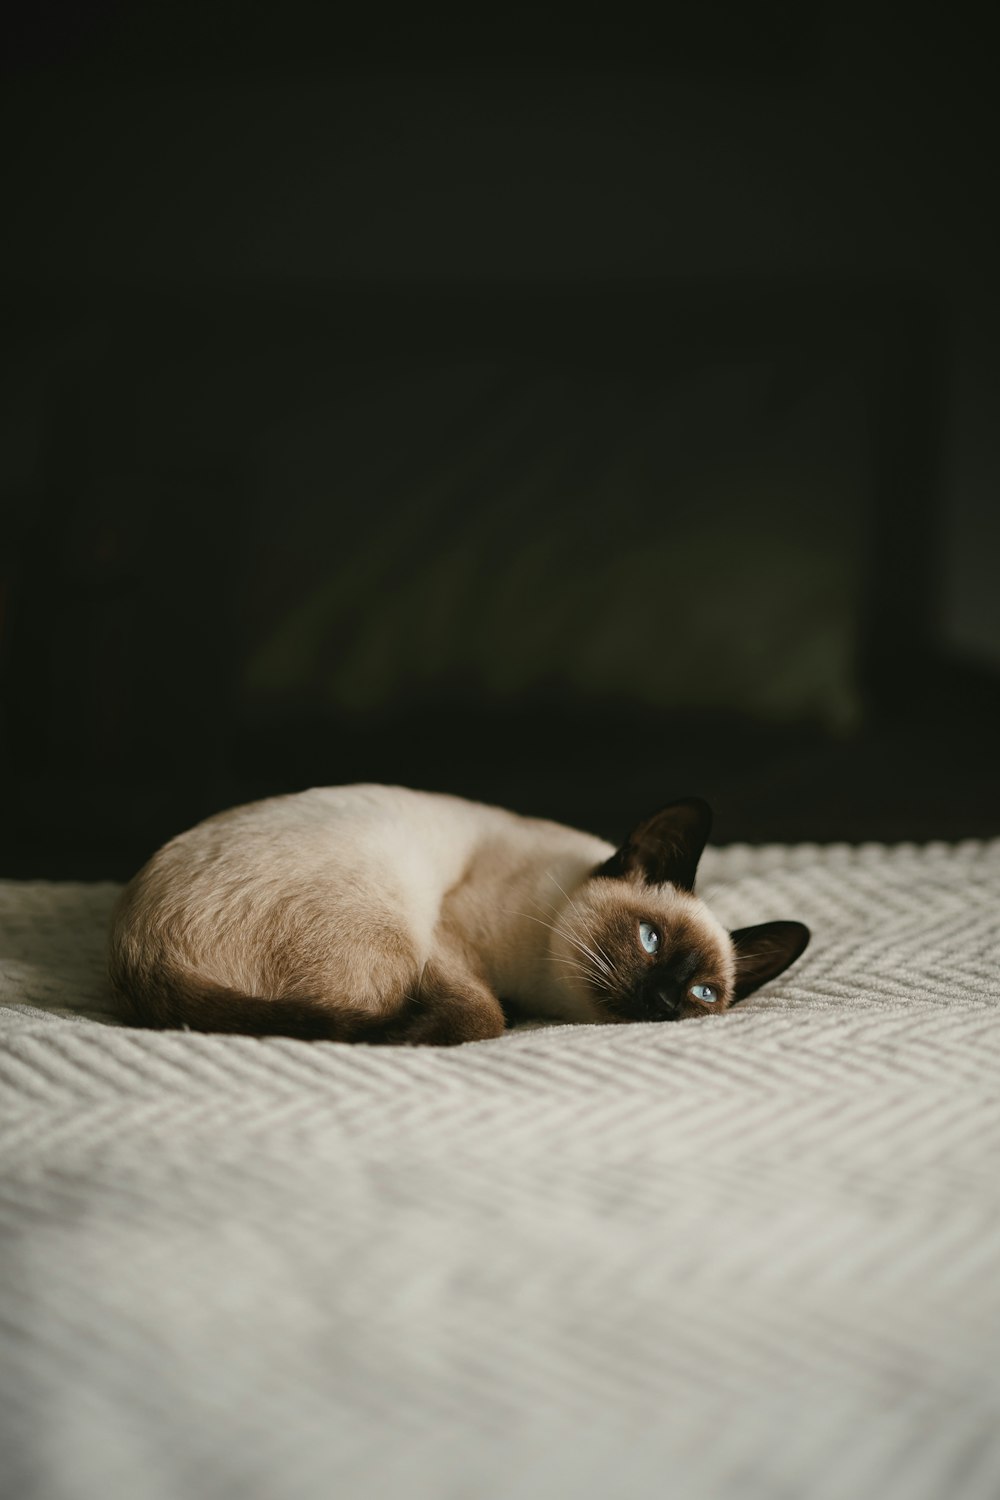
[668, 1005]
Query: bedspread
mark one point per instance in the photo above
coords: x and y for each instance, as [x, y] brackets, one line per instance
[755, 1255]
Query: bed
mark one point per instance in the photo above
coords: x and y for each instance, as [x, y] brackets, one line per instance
[752, 1256]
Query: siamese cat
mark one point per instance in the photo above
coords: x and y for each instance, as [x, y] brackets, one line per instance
[379, 914]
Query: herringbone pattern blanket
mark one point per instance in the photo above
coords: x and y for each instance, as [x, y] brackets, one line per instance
[751, 1256]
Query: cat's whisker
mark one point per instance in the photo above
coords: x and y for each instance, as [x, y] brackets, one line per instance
[589, 953]
[576, 963]
[568, 933]
[511, 912]
[551, 907]
[593, 977]
[579, 913]
[574, 937]
[584, 948]
[604, 955]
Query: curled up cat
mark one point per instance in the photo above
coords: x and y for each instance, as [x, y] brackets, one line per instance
[379, 914]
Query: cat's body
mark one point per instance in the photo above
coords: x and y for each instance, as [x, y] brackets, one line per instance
[373, 913]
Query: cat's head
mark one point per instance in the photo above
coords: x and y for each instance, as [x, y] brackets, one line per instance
[638, 945]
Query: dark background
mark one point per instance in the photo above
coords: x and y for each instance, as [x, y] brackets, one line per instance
[528, 404]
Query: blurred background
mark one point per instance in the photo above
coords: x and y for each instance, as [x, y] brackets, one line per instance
[534, 406]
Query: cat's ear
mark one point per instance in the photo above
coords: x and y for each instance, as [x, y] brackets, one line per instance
[764, 952]
[664, 847]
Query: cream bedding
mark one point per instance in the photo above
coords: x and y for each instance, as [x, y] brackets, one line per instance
[751, 1256]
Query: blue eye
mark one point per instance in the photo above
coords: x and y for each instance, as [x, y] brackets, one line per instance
[649, 937]
[705, 993]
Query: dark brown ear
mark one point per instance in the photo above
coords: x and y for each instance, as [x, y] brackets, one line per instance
[665, 847]
[764, 952]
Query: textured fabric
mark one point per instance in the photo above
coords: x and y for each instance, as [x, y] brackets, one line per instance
[754, 1256]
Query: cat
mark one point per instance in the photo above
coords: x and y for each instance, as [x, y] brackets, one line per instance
[381, 914]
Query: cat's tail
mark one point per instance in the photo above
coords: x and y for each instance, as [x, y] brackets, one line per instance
[170, 997]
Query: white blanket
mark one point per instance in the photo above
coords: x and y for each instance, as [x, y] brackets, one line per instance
[752, 1256]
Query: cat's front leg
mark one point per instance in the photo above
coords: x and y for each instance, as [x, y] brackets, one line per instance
[448, 1006]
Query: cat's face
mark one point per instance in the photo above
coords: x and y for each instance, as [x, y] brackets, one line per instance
[637, 943]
